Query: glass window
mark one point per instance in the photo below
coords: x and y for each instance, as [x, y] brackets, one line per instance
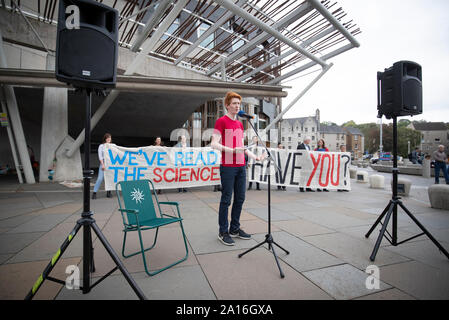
[209, 41]
[174, 26]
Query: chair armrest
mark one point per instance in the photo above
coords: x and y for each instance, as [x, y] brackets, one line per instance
[135, 211]
[171, 203]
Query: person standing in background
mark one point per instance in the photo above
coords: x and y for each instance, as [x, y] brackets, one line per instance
[281, 146]
[305, 146]
[182, 143]
[158, 143]
[440, 158]
[107, 138]
[322, 148]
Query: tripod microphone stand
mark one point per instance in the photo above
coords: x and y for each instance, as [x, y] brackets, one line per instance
[88, 224]
[268, 237]
[392, 210]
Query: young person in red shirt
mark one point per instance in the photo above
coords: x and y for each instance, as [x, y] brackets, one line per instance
[228, 138]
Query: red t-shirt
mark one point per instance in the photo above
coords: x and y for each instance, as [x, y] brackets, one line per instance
[231, 132]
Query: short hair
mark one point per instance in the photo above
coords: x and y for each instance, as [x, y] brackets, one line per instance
[106, 135]
[229, 96]
[307, 138]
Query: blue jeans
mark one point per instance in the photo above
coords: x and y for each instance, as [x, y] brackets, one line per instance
[441, 165]
[99, 179]
[233, 179]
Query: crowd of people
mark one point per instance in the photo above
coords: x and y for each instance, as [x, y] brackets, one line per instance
[233, 167]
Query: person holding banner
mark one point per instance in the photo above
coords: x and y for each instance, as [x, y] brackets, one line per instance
[182, 143]
[305, 146]
[107, 138]
[322, 147]
[228, 138]
[158, 143]
[281, 146]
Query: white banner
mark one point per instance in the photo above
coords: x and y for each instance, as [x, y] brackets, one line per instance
[194, 167]
[302, 168]
[165, 167]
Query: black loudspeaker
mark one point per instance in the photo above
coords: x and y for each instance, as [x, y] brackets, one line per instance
[400, 90]
[87, 44]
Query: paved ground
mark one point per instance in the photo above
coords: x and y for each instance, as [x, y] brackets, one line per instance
[324, 233]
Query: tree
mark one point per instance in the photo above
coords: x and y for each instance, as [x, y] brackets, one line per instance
[403, 123]
[349, 123]
[328, 123]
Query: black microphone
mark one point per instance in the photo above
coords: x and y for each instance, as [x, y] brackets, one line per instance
[243, 114]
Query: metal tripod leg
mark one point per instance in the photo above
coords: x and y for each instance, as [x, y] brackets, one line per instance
[379, 219]
[424, 230]
[382, 231]
[118, 262]
[251, 249]
[281, 248]
[277, 261]
[53, 262]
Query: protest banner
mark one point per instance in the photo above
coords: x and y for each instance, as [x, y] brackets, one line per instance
[302, 168]
[171, 168]
[165, 167]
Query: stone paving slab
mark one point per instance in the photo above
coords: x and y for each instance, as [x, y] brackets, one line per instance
[255, 276]
[41, 223]
[46, 246]
[331, 219]
[302, 228]
[302, 256]
[276, 215]
[185, 283]
[16, 280]
[439, 234]
[390, 294]
[352, 250]
[418, 280]
[13, 243]
[343, 282]
[15, 207]
[203, 237]
[424, 251]
[360, 232]
[10, 223]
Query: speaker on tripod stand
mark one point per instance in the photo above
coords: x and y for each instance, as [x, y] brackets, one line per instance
[399, 93]
[86, 57]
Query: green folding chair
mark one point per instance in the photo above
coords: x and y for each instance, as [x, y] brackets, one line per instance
[139, 214]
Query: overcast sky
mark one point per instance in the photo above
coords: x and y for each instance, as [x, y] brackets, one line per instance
[392, 30]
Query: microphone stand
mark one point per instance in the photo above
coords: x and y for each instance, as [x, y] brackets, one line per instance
[268, 237]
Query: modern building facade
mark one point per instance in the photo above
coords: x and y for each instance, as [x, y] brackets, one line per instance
[176, 61]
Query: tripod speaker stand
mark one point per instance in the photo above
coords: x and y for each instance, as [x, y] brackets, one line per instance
[268, 237]
[88, 224]
[392, 210]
